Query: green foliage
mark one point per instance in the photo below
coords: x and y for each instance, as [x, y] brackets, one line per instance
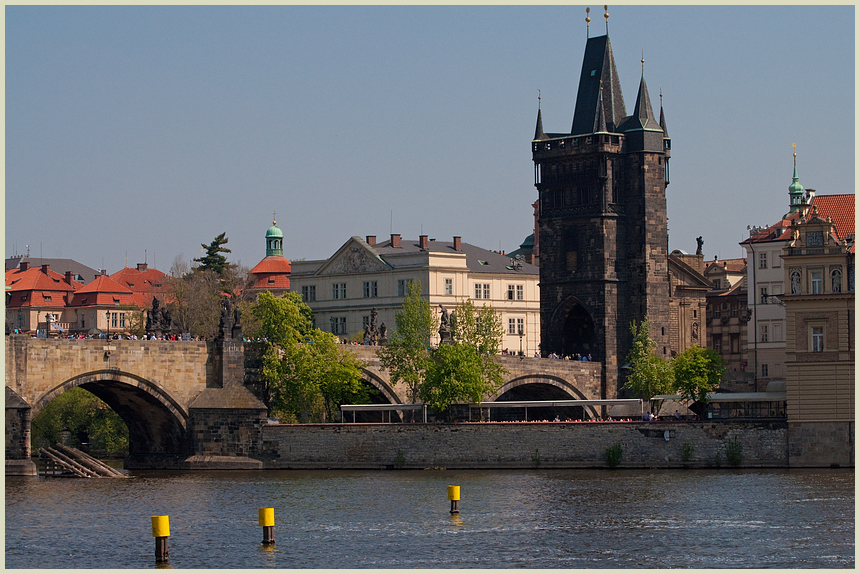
[480, 327]
[686, 452]
[399, 459]
[698, 372]
[734, 451]
[649, 374]
[213, 260]
[81, 413]
[307, 375]
[407, 353]
[613, 455]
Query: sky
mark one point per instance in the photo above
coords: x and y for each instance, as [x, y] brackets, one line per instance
[139, 133]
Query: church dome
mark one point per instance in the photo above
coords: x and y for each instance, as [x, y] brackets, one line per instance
[274, 232]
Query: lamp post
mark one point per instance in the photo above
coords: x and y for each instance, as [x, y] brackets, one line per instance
[107, 315]
[521, 342]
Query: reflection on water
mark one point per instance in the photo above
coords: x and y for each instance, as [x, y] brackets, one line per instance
[401, 519]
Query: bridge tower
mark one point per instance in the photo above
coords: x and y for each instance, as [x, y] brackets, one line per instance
[602, 220]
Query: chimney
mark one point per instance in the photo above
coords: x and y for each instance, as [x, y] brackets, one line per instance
[45, 268]
[457, 244]
[25, 265]
[395, 240]
[104, 272]
[371, 240]
[69, 277]
[142, 267]
[422, 241]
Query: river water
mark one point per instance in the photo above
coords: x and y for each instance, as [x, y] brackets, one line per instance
[400, 519]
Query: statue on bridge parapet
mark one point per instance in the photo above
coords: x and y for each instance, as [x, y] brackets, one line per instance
[444, 326]
[158, 320]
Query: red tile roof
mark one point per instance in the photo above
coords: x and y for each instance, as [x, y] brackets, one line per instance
[272, 264]
[840, 209]
[38, 287]
[728, 265]
[102, 291]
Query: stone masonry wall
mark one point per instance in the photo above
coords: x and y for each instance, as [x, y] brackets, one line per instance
[520, 445]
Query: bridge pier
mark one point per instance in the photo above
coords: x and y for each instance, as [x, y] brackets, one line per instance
[18, 416]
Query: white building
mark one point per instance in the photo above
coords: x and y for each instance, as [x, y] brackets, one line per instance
[364, 275]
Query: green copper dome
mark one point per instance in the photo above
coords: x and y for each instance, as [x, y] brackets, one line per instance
[795, 190]
[274, 241]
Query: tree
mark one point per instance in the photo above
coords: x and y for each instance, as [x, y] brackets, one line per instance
[698, 372]
[213, 260]
[407, 353]
[87, 418]
[195, 304]
[649, 375]
[467, 369]
[306, 374]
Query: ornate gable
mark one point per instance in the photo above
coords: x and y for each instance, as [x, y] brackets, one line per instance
[356, 256]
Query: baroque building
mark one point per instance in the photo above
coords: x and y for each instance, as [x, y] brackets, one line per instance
[726, 319]
[818, 266]
[604, 259]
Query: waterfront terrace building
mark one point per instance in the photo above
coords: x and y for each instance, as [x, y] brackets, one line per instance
[602, 223]
[364, 275]
[766, 283]
[818, 266]
[38, 298]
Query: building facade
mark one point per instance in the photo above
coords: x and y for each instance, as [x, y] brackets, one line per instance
[364, 276]
[273, 272]
[604, 259]
[727, 315]
[818, 268]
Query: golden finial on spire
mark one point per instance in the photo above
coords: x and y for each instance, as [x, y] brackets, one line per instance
[794, 146]
[538, 98]
[273, 219]
[606, 15]
[587, 21]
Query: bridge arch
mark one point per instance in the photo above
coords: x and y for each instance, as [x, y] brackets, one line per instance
[156, 422]
[553, 383]
[379, 384]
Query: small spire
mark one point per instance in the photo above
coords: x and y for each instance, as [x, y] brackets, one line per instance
[643, 62]
[274, 222]
[538, 99]
[606, 15]
[587, 21]
[795, 190]
[662, 117]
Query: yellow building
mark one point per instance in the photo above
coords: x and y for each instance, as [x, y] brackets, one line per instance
[364, 275]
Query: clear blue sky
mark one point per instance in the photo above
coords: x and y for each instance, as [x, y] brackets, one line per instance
[157, 128]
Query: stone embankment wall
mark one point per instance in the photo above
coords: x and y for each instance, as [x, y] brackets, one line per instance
[522, 445]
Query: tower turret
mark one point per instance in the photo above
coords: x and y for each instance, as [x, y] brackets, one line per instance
[795, 190]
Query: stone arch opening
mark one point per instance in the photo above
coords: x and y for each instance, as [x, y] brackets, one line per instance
[574, 330]
[156, 422]
[541, 388]
[381, 393]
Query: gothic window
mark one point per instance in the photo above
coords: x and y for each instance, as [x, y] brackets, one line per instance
[795, 281]
[836, 281]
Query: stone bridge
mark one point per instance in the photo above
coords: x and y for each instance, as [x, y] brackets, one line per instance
[189, 405]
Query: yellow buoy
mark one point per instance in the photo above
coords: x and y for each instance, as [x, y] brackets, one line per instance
[453, 492]
[160, 526]
[267, 517]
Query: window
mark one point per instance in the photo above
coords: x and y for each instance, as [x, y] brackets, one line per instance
[815, 280]
[401, 287]
[113, 319]
[716, 283]
[482, 290]
[762, 330]
[694, 313]
[21, 321]
[717, 312]
[762, 261]
[764, 370]
[309, 293]
[338, 291]
[817, 339]
[777, 333]
[83, 322]
[718, 343]
[735, 342]
[836, 281]
[369, 289]
[510, 292]
[449, 286]
[122, 320]
[271, 281]
[763, 292]
[486, 290]
[520, 293]
[516, 326]
[338, 325]
[47, 297]
[365, 321]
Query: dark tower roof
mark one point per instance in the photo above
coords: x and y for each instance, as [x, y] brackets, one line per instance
[600, 120]
[663, 120]
[539, 133]
[643, 115]
[598, 70]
